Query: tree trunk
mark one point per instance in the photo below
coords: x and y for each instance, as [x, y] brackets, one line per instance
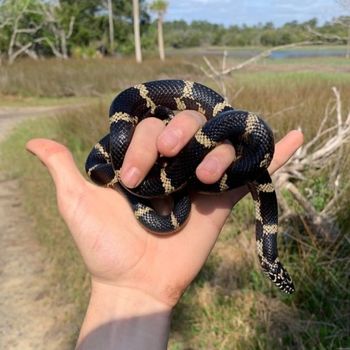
[12, 41]
[348, 45]
[160, 37]
[64, 49]
[111, 27]
[136, 12]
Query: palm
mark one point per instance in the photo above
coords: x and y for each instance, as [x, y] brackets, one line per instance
[116, 249]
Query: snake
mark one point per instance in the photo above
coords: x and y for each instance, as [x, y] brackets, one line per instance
[175, 177]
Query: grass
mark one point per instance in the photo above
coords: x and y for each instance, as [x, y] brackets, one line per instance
[52, 78]
[70, 278]
[30, 101]
[230, 305]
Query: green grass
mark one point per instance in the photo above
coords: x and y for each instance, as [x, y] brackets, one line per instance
[40, 203]
[230, 305]
[34, 101]
[312, 62]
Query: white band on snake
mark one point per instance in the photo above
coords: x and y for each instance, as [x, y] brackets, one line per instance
[249, 134]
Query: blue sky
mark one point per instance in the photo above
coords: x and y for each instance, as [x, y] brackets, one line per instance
[250, 12]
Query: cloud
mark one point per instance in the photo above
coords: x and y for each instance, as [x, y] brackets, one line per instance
[251, 12]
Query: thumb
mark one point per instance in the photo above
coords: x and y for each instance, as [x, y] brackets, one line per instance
[62, 168]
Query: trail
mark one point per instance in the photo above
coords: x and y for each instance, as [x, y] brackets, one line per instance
[31, 317]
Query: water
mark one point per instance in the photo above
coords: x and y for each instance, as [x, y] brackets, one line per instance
[280, 54]
[302, 53]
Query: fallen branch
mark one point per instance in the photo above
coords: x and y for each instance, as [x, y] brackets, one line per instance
[323, 151]
[218, 74]
[264, 54]
[332, 37]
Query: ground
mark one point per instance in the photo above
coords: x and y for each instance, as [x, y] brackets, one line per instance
[31, 314]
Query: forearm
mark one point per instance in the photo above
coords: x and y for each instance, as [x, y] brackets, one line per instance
[121, 318]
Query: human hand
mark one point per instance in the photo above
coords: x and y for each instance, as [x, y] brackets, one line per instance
[118, 252]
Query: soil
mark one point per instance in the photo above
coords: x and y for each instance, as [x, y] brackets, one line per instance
[31, 314]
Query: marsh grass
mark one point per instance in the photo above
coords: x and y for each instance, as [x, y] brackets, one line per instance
[52, 78]
[230, 305]
[55, 78]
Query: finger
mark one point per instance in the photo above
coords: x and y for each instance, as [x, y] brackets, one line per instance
[285, 148]
[179, 131]
[60, 163]
[215, 163]
[142, 152]
[70, 184]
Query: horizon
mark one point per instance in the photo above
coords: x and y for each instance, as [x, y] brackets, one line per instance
[252, 12]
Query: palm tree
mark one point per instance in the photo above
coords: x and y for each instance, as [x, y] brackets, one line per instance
[111, 27]
[160, 7]
[136, 13]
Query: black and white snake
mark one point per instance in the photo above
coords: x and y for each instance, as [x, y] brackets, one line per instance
[251, 137]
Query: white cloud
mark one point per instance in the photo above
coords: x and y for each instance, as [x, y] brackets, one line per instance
[230, 12]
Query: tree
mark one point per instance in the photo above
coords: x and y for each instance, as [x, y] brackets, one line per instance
[345, 21]
[59, 28]
[20, 23]
[111, 26]
[31, 26]
[160, 7]
[137, 37]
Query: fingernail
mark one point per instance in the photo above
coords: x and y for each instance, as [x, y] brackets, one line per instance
[210, 165]
[131, 177]
[171, 138]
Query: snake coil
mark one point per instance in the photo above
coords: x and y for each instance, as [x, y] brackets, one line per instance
[251, 137]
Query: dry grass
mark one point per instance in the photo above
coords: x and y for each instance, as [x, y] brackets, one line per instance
[55, 78]
[230, 305]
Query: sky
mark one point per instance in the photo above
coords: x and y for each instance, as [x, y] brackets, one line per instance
[250, 12]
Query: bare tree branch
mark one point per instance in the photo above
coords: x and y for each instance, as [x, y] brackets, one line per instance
[254, 59]
[18, 52]
[16, 45]
[324, 150]
[5, 23]
[325, 36]
[218, 75]
[71, 26]
[56, 27]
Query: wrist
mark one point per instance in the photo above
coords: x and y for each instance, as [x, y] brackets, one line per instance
[125, 301]
[124, 316]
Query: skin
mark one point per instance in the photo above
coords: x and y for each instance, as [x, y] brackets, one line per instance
[137, 277]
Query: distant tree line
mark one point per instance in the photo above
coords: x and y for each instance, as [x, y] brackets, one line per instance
[179, 34]
[85, 28]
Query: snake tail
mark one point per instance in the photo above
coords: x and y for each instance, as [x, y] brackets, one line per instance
[266, 209]
[174, 178]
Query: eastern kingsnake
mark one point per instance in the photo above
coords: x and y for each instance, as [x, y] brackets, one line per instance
[251, 137]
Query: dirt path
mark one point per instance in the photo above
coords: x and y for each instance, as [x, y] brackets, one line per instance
[31, 317]
[10, 116]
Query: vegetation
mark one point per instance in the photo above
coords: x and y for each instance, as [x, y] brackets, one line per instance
[160, 6]
[87, 28]
[82, 78]
[230, 305]
[137, 34]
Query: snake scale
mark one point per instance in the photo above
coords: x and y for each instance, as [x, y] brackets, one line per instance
[249, 134]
